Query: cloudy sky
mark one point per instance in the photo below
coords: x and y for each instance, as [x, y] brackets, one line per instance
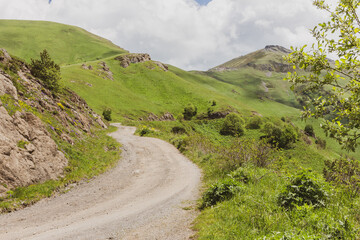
[186, 33]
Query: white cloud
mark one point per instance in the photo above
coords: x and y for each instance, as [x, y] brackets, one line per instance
[181, 32]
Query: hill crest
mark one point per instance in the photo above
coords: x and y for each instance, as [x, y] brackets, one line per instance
[269, 59]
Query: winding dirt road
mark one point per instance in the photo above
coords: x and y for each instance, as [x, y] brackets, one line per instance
[144, 197]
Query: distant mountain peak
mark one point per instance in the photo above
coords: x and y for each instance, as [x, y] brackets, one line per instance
[277, 48]
[269, 59]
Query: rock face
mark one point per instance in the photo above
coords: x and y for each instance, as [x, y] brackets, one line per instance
[28, 153]
[165, 117]
[126, 60]
[106, 70]
[277, 48]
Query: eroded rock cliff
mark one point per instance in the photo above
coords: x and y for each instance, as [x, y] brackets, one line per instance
[31, 117]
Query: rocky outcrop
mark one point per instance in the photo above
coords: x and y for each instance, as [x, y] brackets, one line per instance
[277, 48]
[127, 59]
[165, 117]
[104, 68]
[86, 67]
[28, 153]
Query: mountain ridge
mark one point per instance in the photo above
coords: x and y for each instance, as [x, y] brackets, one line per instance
[269, 59]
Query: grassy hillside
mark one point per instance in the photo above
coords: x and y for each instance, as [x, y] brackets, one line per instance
[246, 173]
[137, 90]
[66, 44]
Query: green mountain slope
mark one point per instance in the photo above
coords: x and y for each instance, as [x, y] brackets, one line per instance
[260, 75]
[66, 44]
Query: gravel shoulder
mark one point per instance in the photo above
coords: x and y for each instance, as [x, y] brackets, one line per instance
[146, 196]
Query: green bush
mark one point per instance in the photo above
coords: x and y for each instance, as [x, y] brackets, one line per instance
[233, 125]
[47, 71]
[189, 111]
[178, 130]
[304, 188]
[344, 171]
[309, 130]
[241, 175]
[107, 114]
[220, 191]
[280, 136]
[254, 123]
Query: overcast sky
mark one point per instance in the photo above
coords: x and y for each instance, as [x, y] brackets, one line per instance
[186, 33]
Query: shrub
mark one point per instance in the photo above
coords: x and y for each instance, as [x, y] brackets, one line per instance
[258, 153]
[233, 125]
[107, 114]
[344, 171]
[309, 130]
[304, 188]
[178, 130]
[240, 175]
[146, 130]
[280, 136]
[220, 191]
[47, 71]
[254, 123]
[189, 111]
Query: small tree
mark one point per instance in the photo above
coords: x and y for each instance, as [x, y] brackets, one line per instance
[233, 125]
[339, 104]
[107, 114]
[47, 71]
[189, 111]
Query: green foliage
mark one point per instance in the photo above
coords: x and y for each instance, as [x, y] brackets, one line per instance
[280, 136]
[233, 125]
[22, 144]
[220, 191]
[189, 111]
[246, 151]
[304, 188]
[178, 130]
[241, 175]
[47, 71]
[146, 130]
[309, 130]
[254, 122]
[321, 142]
[340, 106]
[107, 114]
[344, 171]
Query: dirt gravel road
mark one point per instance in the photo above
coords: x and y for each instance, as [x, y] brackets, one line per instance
[147, 196]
